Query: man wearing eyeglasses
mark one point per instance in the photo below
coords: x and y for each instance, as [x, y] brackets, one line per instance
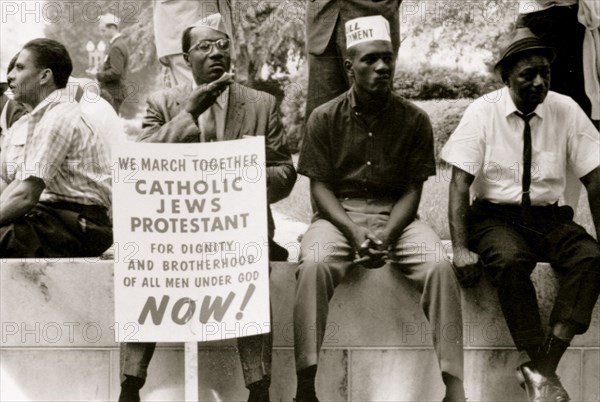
[214, 108]
[171, 17]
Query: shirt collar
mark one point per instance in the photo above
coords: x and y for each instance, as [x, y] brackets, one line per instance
[56, 96]
[222, 99]
[114, 38]
[357, 107]
[510, 107]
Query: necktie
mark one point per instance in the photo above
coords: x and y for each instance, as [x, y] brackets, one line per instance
[525, 198]
[209, 125]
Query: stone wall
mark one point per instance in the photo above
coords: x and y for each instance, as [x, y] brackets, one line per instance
[58, 342]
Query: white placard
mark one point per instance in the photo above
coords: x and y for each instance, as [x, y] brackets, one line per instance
[191, 256]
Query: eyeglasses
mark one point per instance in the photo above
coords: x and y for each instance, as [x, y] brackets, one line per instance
[206, 46]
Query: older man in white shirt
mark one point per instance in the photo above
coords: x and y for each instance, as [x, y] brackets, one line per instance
[512, 149]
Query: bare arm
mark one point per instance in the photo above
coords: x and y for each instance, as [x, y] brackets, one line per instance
[402, 214]
[466, 263]
[18, 198]
[591, 181]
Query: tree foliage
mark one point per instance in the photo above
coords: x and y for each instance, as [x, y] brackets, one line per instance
[268, 34]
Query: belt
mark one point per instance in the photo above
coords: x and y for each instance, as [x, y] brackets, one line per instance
[513, 211]
[89, 211]
[369, 194]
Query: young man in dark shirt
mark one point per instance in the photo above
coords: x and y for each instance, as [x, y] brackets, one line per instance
[367, 154]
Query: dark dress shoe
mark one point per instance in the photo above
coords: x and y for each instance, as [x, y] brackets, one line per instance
[297, 399]
[455, 390]
[130, 389]
[305, 398]
[560, 393]
[259, 396]
[539, 387]
[129, 395]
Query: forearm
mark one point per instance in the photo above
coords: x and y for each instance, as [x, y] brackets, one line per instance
[403, 212]
[592, 185]
[18, 198]
[594, 200]
[458, 209]
[330, 208]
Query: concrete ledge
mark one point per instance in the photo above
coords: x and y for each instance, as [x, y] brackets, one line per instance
[57, 342]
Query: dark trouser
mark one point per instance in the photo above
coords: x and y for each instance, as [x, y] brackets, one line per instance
[327, 77]
[510, 247]
[559, 28]
[54, 230]
[255, 355]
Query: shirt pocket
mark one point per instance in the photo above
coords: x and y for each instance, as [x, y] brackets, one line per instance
[16, 146]
[15, 154]
[548, 166]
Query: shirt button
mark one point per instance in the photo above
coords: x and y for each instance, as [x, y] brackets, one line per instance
[368, 163]
[370, 134]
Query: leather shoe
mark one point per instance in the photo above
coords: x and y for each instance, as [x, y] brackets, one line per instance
[560, 393]
[129, 395]
[130, 389]
[539, 387]
[305, 398]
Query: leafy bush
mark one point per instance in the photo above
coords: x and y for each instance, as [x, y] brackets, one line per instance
[445, 114]
[442, 83]
[449, 88]
[293, 108]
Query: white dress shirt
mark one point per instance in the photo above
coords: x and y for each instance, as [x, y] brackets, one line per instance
[488, 143]
[219, 110]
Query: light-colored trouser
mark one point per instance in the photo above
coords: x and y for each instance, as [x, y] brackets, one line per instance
[322, 267]
[255, 356]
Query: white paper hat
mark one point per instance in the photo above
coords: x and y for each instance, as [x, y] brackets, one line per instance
[366, 29]
[213, 21]
[108, 19]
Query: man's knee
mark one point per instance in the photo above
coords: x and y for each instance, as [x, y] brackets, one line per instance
[17, 242]
[311, 271]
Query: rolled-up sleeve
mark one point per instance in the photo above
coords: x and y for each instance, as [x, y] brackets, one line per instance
[584, 145]
[465, 149]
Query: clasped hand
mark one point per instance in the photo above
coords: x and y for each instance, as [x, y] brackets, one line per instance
[371, 248]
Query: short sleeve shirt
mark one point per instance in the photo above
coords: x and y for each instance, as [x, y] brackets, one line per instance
[380, 159]
[488, 143]
[55, 144]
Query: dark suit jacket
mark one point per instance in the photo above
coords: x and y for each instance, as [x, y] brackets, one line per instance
[249, 112]
[114, 70]
[322, 16]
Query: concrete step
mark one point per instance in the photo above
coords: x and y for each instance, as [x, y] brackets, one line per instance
[58, 342]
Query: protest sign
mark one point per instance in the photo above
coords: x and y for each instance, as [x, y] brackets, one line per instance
[191, 257]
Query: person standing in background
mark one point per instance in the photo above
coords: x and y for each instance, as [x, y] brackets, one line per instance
[326, 43]
[571, 27]
[171, 17]
[114, 70]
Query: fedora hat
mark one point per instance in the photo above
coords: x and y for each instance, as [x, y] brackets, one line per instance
[522, 42]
